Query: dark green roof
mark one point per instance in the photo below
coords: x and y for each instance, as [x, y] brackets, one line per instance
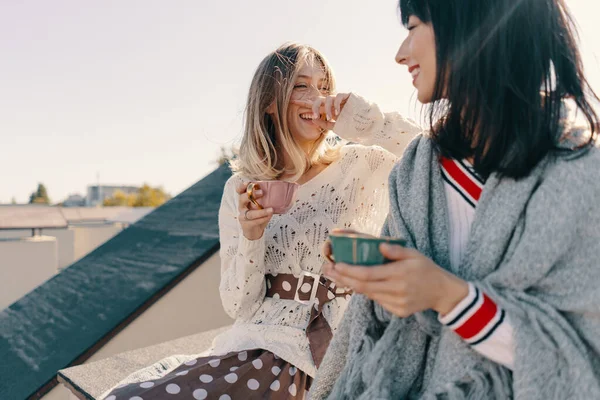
[61, 322]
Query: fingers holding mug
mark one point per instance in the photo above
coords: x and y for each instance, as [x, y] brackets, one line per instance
[241, 187]
[256, 217]
[252, 192]
[327, 252]
[244, 202]
[254, 222]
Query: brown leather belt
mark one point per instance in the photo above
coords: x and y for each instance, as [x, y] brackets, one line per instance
[308, 288]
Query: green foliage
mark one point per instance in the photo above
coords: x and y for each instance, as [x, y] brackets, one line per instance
[146, 196]
[40, 196]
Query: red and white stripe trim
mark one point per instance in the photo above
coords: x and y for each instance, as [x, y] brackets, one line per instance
[463, 179]
[475, 318]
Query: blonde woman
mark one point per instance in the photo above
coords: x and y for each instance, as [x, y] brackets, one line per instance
[285, 312]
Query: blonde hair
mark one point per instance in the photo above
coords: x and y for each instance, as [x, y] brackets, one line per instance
[260, 155]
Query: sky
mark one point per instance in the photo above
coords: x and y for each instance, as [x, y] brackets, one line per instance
[147, 91]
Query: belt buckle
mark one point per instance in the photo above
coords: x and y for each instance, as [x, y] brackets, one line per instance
[315, 287]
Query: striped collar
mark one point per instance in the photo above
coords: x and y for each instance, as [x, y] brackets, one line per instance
[461, 176]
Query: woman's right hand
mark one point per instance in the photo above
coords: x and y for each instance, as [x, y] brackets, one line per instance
[328, 106]
[252, 219]
[326, 250]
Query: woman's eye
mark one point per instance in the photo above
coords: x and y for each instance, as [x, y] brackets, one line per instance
[300, 86]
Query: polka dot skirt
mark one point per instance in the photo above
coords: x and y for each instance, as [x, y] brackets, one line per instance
[252, 374]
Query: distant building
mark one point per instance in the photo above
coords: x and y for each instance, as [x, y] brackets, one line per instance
[96, 194]
[74, 200]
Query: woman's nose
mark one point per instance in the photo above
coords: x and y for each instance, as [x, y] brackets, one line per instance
[402, 54]
[312, 93]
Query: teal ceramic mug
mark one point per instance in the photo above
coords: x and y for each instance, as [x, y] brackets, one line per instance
[359, 248]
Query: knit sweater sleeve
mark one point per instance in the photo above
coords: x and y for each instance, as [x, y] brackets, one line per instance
[242, 286]
[484, 325]
[363, 122]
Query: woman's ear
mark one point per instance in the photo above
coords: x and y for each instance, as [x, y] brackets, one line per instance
[271, 109]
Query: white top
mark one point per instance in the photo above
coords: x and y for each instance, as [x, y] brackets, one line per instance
[352, 193]
[461, 215]
[477, 319]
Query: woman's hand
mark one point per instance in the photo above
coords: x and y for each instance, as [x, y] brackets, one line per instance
[329, 106]
[326, 250]
[252, 219]
[409, 284]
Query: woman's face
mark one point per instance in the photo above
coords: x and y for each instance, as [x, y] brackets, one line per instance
[418, 53]
[310, 83]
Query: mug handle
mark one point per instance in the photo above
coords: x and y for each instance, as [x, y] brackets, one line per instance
[250, 192]
[329, 256]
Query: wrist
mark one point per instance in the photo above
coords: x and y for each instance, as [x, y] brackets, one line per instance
[253, 236]
[454, 290]
[344, 121]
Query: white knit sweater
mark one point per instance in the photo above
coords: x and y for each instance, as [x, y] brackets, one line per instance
[352, 192]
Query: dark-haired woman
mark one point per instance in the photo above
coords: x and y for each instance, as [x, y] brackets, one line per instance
[496, 294]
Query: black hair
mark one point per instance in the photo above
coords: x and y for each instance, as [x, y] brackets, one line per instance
[504, 68]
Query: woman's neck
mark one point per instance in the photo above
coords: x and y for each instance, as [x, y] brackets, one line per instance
[288, 165]
[309, 172]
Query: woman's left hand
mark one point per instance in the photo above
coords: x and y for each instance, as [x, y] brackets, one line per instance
[409, 284]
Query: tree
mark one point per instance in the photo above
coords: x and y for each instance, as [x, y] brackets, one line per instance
[40, 196]
[13, 201]
[120, 199]
[151, 197]
[146, 196]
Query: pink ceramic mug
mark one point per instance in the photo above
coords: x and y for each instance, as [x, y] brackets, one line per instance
[279, 195]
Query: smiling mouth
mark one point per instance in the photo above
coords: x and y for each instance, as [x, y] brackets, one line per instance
[414, 71]
[307, 116]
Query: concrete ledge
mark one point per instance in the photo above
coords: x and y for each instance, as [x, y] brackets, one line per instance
[89, 381]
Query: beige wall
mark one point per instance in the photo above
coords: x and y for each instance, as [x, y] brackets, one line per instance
[89, 237]
[66, 245]
[192, 306]
[25, 263]
[74, 242]
[65, 242]
[60, 392]
[14, 234]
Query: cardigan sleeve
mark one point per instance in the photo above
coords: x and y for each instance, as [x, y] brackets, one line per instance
[243, 285]
[481, 323]
[363, 122]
